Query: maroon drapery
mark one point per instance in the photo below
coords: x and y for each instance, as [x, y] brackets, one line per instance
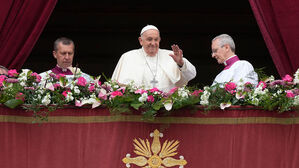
[279, 24]
[21, 23]
[91, 138]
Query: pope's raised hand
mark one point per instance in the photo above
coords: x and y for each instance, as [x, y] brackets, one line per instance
[177, 55]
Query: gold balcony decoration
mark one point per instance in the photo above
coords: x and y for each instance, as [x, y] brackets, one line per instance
[155, 156]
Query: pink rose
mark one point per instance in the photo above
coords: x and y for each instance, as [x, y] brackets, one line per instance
[56, 85]
[91, 88]
[290, 94]
[58, 76]
[287, 78]
[64, 93]
[150, 98]
[2, 79]
[140, 91]
[264, 85]
[116, 93]
[20, 96]
[37, 77]
[81, 81]
[173, 90]
[230, 87]
[154, 90]
[12, 73]
[196, 92]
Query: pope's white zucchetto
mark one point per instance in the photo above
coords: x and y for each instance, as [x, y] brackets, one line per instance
[148, 27]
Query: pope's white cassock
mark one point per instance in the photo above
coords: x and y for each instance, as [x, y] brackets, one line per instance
[237, 71]
[159, 71]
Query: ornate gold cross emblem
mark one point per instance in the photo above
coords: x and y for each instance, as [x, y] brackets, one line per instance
[153, 156]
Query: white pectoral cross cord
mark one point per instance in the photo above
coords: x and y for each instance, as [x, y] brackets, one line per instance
[154, 82]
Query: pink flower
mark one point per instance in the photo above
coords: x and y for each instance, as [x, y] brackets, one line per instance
[122, 89]
[56, 85]
[140, 91]
[290, 94]
[2, 79]
[196, 92]
[287, 78]
[20, 96]
[12, 80]
[264, 85]
[150, 98]
[116, 93]
[81, 81]
[64, 93]
[12, 73]
[78, 103]
[154, 90]
[173, 90]
[102, 96]
[37, 76]
[91, 88]
[230, 87]
[58, 76]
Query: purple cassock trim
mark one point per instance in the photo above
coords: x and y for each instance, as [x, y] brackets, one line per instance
[58, 70]
[231, 61]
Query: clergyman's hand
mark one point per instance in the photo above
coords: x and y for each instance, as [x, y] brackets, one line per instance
[177, 55]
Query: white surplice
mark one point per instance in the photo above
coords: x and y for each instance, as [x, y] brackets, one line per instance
[240, 73]
[140, 68]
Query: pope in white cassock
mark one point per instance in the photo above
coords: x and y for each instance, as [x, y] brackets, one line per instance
[152, 67]
[235, 70]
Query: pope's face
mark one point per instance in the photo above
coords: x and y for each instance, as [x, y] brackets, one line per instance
[64, 55]
[219, 52]
[150, 41]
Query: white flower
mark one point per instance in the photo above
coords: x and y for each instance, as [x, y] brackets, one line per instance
[76, 89]
[69, 97]
[23, 83]
[255, 101]
[168, 106]
[259, 90]
[23, 74]
[204, 98]
[50, 86]
[183, 92]
[47, 99]
[143, 97]
[225, 105]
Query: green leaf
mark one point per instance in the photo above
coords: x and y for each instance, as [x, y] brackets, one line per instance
[136, 105]
[156, 106]
[12, 103]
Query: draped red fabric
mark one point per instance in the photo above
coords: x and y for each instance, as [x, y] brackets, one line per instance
[92, 138]
[21, 23]
[279, 23]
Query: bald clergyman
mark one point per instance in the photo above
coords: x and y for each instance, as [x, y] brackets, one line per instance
[152, 67]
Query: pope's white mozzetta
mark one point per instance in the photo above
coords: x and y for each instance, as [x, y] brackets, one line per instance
[134, 66]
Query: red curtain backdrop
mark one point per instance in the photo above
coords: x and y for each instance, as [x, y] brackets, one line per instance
[92, 138]
[21, 23]
[279, 24]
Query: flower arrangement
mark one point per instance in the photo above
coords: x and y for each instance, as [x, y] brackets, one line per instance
[42, 95]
